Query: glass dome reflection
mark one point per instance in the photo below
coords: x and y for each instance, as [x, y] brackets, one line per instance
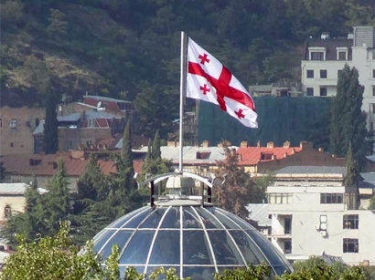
[197, 240]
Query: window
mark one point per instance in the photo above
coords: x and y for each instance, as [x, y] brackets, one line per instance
[288, 225]
[310, 73]
[1, 123]
[7, 211]
[373, 90]
[341, 55]
[323, 74]
[350, 245]
[288, 246]
[317, 56]
[350, 222]
[280, 198]
[310, 91]
[323, 91]
[339, 73]
[13, 123]
[372, 108]
[373, 73]
[331, 198]
[11, 144]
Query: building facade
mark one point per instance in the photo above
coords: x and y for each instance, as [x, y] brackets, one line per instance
[16, 129]
[326, 57]
[313, 213]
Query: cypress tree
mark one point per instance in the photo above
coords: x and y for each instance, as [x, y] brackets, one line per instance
[149, 147]
[348, 121]
[57, 200]
[352, 172]
[2, 171]
[50, 127]
[156, 153]
[126, 150]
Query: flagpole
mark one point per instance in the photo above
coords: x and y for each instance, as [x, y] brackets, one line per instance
[182, 95]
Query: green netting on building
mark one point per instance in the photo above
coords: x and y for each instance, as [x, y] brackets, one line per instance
[280, 119]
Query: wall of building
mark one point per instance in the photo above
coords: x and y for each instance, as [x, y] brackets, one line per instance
[18, 124]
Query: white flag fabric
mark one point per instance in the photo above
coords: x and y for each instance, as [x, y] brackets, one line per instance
[211, 81]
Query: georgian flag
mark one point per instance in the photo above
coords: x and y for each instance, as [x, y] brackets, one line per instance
[209, 80]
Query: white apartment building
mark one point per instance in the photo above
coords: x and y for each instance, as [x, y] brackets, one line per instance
[325, 57]
[313, 213]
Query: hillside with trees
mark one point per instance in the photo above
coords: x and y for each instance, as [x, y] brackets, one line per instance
[130, 49]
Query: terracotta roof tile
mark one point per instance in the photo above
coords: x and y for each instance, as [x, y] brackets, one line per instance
[46, 165]
[253, 155]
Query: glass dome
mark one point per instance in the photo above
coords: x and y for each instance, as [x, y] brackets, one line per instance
[194, 238]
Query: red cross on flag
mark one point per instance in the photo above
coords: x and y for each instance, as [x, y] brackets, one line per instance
[211, 81]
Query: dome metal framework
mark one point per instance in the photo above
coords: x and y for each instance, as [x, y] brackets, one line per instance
[189, 234]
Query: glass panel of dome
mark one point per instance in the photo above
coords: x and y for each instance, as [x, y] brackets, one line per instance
[248, 248]
[172, 219]
[121, 221]
[103, 239]
[153, 220]
[227, 221]
[164, 249]
[136, 220]
[241, 222]
[199, 272]
[119, 238]
[195, 248]
[273, 256]
[209, 220]
[224, 249]
[190, 219]
[136, 251]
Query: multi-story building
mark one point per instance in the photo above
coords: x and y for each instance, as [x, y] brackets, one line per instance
[16, 129]
[313, 213]
[324, 58]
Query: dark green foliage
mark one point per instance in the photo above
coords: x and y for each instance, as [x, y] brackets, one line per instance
[43, 212]
[352, 170]
[154, 164]
[50, 139]
[57, 201]
[126, 151]
[155, 152]
[280, 119]
[348, 121]
[2, 172]
[30, 224]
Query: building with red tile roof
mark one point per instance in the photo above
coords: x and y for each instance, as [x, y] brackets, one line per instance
[43, 167]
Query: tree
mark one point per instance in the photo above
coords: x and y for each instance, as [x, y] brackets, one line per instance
[234, 188]
[155, 152]
[348, 121]
[2, 171]
[126, 149]
[154, 164]
[57, 200]
[352, 173]
[58, 26]
[31, 223]
[56, 258]
[91, 210]
[50, 127]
